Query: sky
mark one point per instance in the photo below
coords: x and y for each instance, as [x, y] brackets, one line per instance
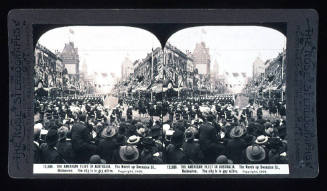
[103, 49]
[235, 48]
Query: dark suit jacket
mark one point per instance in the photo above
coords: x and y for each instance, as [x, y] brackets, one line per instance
[81, 142]
[193, 151]
[209, 143]
[106, 148]
[176, 156]
[65, 148]
[234, 150]
[48, 154]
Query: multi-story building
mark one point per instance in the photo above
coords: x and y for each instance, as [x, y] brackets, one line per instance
[149, 69]
[170, 64]
[127, 68]
[178, 66]
[258, 68]
[48, 67]
[215, 71]
[201, 58]
[275, 69]
[70, 58]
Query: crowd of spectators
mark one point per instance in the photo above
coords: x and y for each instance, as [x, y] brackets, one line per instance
[214, 130]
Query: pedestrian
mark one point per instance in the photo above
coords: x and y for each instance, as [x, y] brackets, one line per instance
[82, 140]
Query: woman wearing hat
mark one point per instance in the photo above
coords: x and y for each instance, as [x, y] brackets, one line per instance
[107, 144]
[127, 154]
[256, 154]
[64, 146]
[48, 150]
[174, 151]
[149, 152]
[236, 145]
[192, 148]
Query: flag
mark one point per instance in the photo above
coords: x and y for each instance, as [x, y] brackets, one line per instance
[71, 31]
[235, 74]
[104, 75]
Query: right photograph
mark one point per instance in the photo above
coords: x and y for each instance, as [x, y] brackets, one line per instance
[223, 96]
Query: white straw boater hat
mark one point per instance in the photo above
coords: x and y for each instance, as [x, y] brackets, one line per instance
[133, 139]
[261, 139]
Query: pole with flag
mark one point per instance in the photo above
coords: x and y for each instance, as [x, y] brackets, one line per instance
[70, 35]
[283, 60]
[151, 71]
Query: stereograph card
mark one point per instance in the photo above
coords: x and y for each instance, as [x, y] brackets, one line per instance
[201, 93]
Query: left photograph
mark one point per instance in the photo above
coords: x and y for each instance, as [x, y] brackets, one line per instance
[90, 106]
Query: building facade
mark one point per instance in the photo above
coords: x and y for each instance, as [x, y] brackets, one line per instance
[149, 69]
[215, 70]
[178, 67]
[201, 58]
[170, 64]
[127, 68]
[258, 67]
[48, 67]
[275, 70]
[70, 58]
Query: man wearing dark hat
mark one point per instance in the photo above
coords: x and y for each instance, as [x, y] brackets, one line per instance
[209, 142]
[174, 151]
[171, 112]
[48, 150]
[236, 145]
[149, 152]
[81, 140]
[129, 113]
[156, 130]
[259, 112]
